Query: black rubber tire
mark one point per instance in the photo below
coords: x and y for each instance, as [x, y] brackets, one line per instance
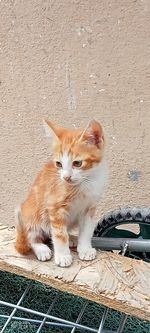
[122, 216]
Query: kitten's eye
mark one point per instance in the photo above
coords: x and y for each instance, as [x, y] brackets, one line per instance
[58, 164]
[77, 164]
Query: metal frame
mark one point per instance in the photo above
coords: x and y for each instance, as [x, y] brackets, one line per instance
[48, 320]
[131, 244]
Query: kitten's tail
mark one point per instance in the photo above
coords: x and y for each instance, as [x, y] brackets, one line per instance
[22, 244]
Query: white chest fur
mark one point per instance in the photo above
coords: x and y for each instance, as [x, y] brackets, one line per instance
[91, 191]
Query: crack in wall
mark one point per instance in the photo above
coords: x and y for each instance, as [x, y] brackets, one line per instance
[69, 85]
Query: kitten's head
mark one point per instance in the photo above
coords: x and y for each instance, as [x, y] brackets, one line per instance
[76, 152]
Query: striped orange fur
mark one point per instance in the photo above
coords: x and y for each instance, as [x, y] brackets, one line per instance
[64, 193]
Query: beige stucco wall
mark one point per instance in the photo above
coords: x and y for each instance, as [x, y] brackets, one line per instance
[71, 61]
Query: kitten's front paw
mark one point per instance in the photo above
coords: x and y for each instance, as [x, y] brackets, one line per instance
[42, 252]
[87, 254]
[63, 260]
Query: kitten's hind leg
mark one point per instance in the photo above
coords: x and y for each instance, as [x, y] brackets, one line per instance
[30, 240]
[73, 242]
[41, 250]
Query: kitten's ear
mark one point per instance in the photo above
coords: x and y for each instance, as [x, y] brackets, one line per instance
[93, 134]
[50, 130]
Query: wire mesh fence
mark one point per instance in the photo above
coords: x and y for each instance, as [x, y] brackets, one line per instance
[28, 306]
[53, 321]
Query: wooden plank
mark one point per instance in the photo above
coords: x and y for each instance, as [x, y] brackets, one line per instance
[117, 282]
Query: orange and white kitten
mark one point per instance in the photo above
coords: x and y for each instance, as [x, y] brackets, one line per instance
[65, 193]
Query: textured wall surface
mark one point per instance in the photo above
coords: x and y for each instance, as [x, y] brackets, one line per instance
[71, 61]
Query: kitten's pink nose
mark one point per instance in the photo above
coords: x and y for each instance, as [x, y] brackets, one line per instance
[67, 178]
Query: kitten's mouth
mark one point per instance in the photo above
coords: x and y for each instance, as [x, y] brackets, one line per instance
[71, 182]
